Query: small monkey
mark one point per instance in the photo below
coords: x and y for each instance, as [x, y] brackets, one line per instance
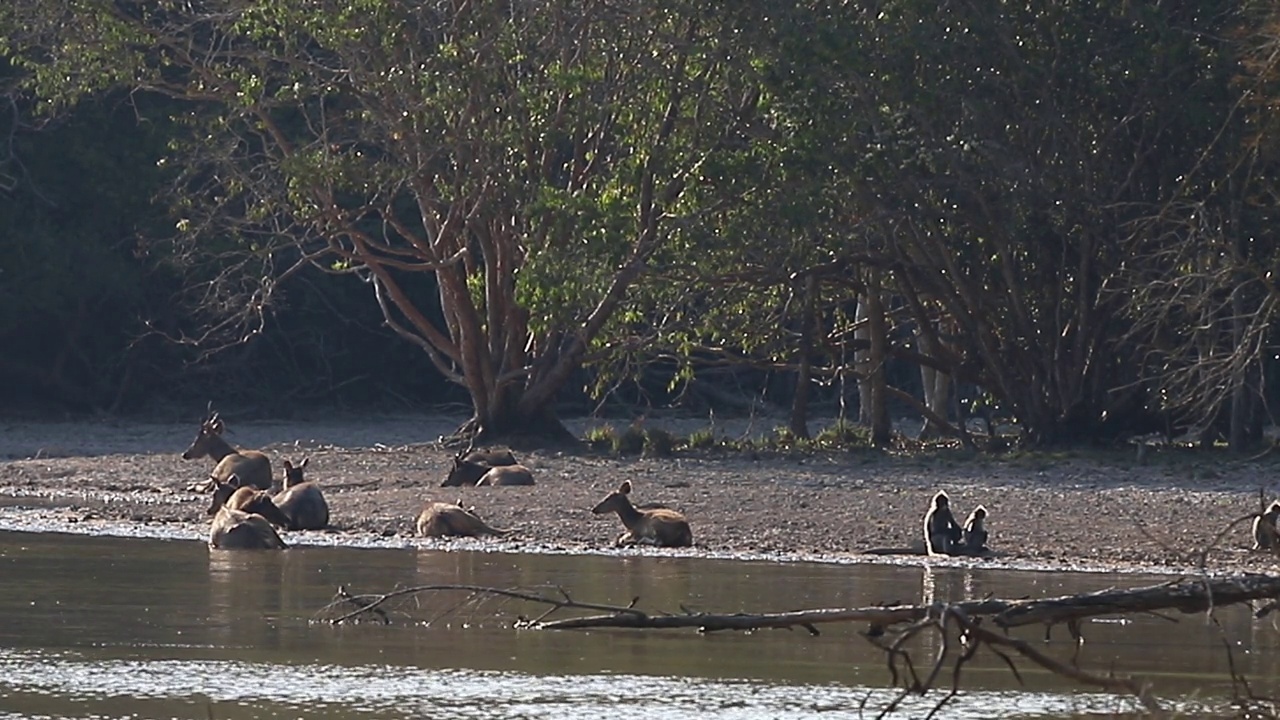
[942, 533]
[1264, 528]
[975, 531]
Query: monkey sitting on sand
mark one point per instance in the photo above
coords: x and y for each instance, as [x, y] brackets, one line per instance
[975, 532]
[1265, 528]
[942, 534]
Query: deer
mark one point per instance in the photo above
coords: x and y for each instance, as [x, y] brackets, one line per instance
[506, 475]
[651, 526]
[238, 496]
[301, 501]
[470, 466]
[439, 519]
[253, 467]
[238, 530]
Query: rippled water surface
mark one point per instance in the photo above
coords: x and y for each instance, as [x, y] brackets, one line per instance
[98, 627]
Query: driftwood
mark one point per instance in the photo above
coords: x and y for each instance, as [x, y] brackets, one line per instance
[975, 623]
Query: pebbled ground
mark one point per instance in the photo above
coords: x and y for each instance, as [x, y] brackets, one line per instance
[1061, 511]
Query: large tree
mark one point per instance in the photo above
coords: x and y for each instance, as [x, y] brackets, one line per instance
[500, 174]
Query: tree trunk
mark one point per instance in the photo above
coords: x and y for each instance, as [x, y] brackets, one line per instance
[936, 386]
[881, 427]
[804, 375]
[862, 358]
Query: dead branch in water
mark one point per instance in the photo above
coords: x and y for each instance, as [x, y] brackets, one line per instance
[976, 623]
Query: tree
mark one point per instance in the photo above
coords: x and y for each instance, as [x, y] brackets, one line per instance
[500, 174]
[996, 160]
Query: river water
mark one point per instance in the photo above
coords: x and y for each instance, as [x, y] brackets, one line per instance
[104, 627]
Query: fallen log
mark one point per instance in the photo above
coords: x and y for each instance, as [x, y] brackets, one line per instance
[1186, 595]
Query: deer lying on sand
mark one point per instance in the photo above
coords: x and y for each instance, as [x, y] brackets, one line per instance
[301, 501]
[487, 467]
[253, 467]
[506, 475]
[236, 496]
[444, 519]
[653, 526]
[238, 530]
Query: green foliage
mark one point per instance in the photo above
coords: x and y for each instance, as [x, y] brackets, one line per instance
[601, 437]
[630, 441]
[659, 443]
[843, 434]
[701, 439]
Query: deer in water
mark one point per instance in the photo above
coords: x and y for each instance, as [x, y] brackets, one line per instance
[651, 526]
[253, 467]
[301, 501]
[238, 530]
[486, 467]
[439, 519]
[237, 496]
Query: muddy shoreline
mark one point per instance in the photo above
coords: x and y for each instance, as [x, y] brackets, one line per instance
[1065, 511]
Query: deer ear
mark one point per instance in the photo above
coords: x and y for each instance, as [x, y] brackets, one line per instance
[304, 462]
[288, 465]
[233, 480]
[625, 487]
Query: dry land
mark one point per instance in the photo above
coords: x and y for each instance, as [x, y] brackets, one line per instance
[1072, 510]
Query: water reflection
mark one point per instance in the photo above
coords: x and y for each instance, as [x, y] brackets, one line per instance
[116, 627]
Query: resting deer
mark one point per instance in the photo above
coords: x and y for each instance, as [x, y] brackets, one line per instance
[470, 466]
[252, 466]
[233, 494]
[301, 501]
[506, 475]
[655, 526]
[238, 530]
[439, 519]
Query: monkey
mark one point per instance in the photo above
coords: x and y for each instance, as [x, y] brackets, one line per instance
[975, 532]
[941, 531]
[1265, 530]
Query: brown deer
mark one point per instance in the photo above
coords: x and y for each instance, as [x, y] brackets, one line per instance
[238, 530]
[301, 501]
[439, 519]
[252, 466]
[654, 526]
[469, 466]
[233, 494]
[506, 475]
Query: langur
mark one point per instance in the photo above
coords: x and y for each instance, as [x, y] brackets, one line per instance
[975, 531]
[942, 533]
[1264, 528]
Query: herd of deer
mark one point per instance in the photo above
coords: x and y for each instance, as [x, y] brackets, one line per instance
[245, 513]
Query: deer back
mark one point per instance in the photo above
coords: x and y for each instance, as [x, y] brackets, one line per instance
[237, 530]
[506, 475]
[439, 519]
[305, 507]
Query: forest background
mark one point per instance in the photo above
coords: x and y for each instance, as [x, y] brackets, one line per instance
[1056, 215]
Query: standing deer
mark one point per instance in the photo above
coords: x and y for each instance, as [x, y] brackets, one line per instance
[656, 526]
[238, 530]
[237, 496]
[252, 466]
[301, 501]
[439, 519]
